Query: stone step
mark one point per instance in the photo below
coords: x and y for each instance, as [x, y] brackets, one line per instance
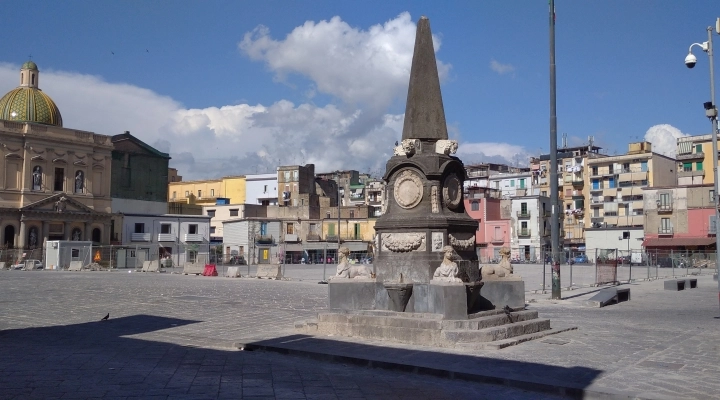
[497, 332]
[380, 320]
[486, 313]
[501, 344]
[490, 320]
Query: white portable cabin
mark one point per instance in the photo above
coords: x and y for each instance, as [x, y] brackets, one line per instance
[59, 253]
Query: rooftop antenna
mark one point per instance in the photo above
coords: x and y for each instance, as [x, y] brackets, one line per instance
[564, 142]
[591, 139]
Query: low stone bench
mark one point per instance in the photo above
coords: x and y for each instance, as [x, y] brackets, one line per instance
[609, 296]
[674, 284]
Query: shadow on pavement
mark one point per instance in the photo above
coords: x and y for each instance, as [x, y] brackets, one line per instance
[538, 377]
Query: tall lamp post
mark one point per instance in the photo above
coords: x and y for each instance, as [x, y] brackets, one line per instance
[711, 112]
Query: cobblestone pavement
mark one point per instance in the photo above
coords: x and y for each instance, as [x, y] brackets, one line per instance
[169, 336]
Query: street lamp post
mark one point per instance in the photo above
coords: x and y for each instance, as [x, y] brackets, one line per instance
[711, 112]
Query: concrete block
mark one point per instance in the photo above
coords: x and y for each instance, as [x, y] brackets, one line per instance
[608, 296]
[151, 266]
[448, 299]
[232, 272]
[715, 277]
[498, 293]
[75, 266]
[193, 269]
[2, 265]
[690, 283]
[270, 271]
[674, 284]
[352, 294]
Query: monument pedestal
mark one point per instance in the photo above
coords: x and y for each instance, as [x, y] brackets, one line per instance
[353, 294]
[496, 294]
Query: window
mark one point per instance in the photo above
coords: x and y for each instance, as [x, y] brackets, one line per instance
[712, 196]
[295, 175]
[626, 167]
[75, 253]
[193, 229]
[497, 233]
[59, 179]
[165, 228]
[331, 229]
[523, 225]
[327, 215]
[313, 228]
[290, 228]
[356, 231]
[611, 183]
[512, 183]
[687, 166]
[643, 166]
[594, 170]
[286, 175]
[596, 183]
[199, 193]
[698, 148]
[543, 193]
[523, 208]
[211, 213]
[475, 206]
[212, 230]
[265, 189]
[212, 192]
[665, 225]
[33, 79]
[187, 193]
[664, 199]
[139, 227]
[234, 212]
[698, 166]
[174, 194]
[263, 229]
[610, 169]
[522, 183]
[352, 213]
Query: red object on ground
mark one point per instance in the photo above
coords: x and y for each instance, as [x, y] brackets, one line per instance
[210, 270]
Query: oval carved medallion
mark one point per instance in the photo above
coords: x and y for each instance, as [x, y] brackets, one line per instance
[452, 191]
[408, 189]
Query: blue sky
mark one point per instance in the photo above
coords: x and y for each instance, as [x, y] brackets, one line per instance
[238, 87]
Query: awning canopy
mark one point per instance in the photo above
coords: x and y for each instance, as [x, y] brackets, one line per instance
[678, 242]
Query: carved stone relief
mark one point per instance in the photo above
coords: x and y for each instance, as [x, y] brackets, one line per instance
[434, 201]
[408, 189]
[446, 147]
[462, 244]
[403, 242]
[407, 147]
[452, 191]
[437, 241]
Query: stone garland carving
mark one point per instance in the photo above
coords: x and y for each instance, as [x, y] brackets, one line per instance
[460, 244]
[434, 200]
[403, 242]
[446, 147]
[448, 269]
[407, 147]
[408, 189]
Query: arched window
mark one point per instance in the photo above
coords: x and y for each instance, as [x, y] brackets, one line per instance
[475, 206]
[9, 237]
[96, 235]
[33, 79]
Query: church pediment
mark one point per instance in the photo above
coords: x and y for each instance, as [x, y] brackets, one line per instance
[59, 203]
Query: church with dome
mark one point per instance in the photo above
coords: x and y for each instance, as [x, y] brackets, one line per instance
[54, 181]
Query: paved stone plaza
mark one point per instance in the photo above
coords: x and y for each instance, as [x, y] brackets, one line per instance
[173, 336]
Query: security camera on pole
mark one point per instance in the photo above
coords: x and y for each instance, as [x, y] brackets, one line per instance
[710, 112]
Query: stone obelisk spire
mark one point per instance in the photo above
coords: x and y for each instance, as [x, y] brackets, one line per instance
[424, 113]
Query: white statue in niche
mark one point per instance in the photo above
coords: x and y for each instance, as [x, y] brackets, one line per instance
[37, 178]
[448, 269]
[347, 270]
[79, 181]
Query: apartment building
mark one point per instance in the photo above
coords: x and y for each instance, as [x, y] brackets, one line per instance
[530, 227]
[694, 157]
[512, 184]
[206, 192]
[493, 215]
[478, 175]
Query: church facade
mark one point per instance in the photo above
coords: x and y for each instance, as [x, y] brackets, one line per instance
[54, 181]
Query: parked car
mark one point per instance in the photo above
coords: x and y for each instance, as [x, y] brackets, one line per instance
[580, 259]
[29, 265]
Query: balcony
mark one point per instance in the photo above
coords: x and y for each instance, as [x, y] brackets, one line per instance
[313, 237]
[166, 237]
[578, 182]
[497, 240]
[686, 174]
[523, 233]
[690, 156]
[140, 237]
[193, 237]
[523, 214]
[332, 238]
[264, 239]
[664, 208]
[291, 238]
[577, 193]
[351, 238]
[665, 231]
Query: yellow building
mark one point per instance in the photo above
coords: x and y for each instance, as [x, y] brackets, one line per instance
[694, 156]
[206, 192]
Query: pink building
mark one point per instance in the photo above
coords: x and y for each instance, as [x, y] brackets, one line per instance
[485, 206]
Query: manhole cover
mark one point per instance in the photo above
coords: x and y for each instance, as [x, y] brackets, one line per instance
[661, 365]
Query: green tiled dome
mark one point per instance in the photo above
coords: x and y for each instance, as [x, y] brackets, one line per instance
[27, 104]
[29, 65]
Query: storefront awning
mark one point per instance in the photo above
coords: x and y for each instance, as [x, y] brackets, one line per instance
[678, 242]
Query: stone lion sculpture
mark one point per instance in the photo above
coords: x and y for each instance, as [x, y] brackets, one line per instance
[347, 270]
[502, 270]
[448, 269]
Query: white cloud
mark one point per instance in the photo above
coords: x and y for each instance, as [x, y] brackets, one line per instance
[664, 139]
[501, 68]
[503, 153]
[363, 71]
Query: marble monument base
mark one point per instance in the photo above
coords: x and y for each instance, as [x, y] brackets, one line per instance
[496, 294]
[354, 294]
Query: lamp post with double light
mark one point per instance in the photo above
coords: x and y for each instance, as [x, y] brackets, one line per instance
[711, 112]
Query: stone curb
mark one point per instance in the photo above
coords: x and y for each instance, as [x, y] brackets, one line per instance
[562, 389]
